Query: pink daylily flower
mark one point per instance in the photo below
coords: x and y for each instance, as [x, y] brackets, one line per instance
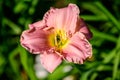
[61, 35]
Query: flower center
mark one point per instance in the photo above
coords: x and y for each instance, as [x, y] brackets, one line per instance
[58, 39]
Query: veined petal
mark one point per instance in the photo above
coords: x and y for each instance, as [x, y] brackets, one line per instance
[84, 28]
[50, 60]
[39, 24]
[78, 50]
[34, 40]
[64, 18]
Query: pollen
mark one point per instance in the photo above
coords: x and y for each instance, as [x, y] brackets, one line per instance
[58, 39]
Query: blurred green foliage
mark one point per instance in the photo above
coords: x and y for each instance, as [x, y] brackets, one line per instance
[103, 18]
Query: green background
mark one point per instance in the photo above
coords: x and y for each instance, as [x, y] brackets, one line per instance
[103, 19]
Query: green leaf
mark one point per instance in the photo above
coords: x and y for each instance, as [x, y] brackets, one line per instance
[109, 56]
[20, 7]
[108, 14]
[59, 73]
[89, 6]
[14, 63]
[15, 28]
[2, 63]
[103, 35]
[94, 18]
[25, 63]
[116, 64]
[86, 74]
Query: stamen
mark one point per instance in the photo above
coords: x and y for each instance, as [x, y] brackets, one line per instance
[55, 40]
[59, 38]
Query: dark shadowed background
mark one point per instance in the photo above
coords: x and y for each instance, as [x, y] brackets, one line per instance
[103, 19]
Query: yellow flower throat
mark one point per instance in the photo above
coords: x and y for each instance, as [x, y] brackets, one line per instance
[58, 39]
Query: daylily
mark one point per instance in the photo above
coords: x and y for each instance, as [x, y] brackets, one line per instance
[61, 35]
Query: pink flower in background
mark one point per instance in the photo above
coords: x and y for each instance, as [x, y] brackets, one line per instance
[61, 35]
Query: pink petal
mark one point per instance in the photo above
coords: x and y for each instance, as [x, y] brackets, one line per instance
[39, 24]
[78, 50]
[50, 60]
[64, 18]
[84, 29]
[34, 40]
